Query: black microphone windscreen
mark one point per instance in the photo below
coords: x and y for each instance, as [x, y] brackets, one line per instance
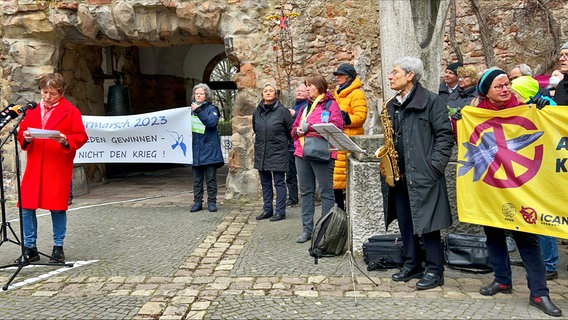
[31, 105]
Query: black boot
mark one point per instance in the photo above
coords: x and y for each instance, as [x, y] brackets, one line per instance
[30, 255]
[57, 255]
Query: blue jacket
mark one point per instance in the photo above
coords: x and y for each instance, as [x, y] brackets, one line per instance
[207, 146]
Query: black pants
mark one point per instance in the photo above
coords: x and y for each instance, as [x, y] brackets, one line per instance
[292, 178]
[528, 246]
[209, 174]
[432, 253]
[339, 198]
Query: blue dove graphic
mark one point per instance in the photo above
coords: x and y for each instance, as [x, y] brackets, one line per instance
[178, 141]
[480, 157]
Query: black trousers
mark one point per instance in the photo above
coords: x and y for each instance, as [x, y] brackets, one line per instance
[529, 249]
[292, 178]
[431, 254]
[209, 174]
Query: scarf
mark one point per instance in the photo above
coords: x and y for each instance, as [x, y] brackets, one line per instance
[485, 103]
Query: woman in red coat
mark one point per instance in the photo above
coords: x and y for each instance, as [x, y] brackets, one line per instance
[49, 167]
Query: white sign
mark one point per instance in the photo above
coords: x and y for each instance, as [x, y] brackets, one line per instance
[158, 137]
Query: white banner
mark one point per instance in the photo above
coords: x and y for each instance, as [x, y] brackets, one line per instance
[158, 137]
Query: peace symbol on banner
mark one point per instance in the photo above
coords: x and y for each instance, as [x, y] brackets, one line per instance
[504, 162]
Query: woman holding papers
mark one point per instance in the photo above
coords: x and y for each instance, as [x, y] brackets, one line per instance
[206, 144]
[321, 108]
[49, 167]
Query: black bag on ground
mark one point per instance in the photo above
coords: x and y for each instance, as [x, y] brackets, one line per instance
[383, 252]
[467, 252]
[329, 235]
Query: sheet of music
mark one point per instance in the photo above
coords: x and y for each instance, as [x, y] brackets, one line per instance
[336, 137]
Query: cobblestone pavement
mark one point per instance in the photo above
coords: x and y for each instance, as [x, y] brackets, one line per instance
[147, 257]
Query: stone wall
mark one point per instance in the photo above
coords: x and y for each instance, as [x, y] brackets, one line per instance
[40, 37]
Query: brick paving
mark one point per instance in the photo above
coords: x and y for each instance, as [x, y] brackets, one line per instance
[155, 260]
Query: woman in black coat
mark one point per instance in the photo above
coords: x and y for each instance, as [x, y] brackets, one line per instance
[465, 93]
[271, 123]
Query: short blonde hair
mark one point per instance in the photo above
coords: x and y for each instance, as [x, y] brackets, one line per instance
[469, 71]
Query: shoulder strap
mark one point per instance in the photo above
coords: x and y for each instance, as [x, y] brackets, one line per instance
[327, 105]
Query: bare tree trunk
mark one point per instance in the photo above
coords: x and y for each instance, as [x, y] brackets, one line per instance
[421, 22]
[553, 31]
[453, 41]
[485, 35]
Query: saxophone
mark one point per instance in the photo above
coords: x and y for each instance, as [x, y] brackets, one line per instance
[387, 152]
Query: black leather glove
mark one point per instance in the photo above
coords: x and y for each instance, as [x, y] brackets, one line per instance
[346, 118]
[457, 115]
[541, 102]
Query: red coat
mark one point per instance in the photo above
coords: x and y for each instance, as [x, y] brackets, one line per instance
[47, 177]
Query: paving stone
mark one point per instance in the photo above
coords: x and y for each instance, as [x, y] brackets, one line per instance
[227, 266]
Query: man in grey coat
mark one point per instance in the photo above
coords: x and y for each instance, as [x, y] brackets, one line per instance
[423, 138]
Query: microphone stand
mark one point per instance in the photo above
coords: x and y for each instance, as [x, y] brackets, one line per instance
[23, 261]
[6, 226]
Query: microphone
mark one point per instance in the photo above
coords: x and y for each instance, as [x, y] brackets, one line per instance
[15, 111]
[29, 106]
[6, 111]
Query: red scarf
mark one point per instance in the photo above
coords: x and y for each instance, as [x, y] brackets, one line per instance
[485, 103]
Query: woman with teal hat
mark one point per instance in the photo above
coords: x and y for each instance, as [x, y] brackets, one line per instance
[495, 93]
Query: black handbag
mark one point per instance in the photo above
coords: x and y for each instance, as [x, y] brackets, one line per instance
[383, 252]
[467, 252]
[316, 149]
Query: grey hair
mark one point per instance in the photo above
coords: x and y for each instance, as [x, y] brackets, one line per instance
[208, 92]
[525, 69]
[411, 64]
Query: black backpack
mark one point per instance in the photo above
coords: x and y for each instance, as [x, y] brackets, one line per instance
[329, 235]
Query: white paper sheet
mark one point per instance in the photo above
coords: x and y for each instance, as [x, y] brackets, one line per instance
[42, 134]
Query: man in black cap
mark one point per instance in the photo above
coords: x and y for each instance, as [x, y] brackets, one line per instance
[450, 81]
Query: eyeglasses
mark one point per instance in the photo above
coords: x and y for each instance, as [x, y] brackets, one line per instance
[563, 56]
[502, 86]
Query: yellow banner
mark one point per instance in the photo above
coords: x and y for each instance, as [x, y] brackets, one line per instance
[512, 169]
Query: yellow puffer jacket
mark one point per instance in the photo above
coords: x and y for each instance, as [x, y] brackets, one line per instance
[351, 100]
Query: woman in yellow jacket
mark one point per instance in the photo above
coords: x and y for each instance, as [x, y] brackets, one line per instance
[351, 100]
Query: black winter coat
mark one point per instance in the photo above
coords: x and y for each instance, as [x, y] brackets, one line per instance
[272, 128]
[561, 94]
[460, 98]
[427, 140]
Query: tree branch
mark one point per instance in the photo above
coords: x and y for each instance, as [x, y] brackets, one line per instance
[486, 41]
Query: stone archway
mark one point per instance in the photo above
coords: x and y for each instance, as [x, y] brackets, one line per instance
[36, 35]
[93, 45]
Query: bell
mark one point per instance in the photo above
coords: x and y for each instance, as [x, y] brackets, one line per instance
[118, 100]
